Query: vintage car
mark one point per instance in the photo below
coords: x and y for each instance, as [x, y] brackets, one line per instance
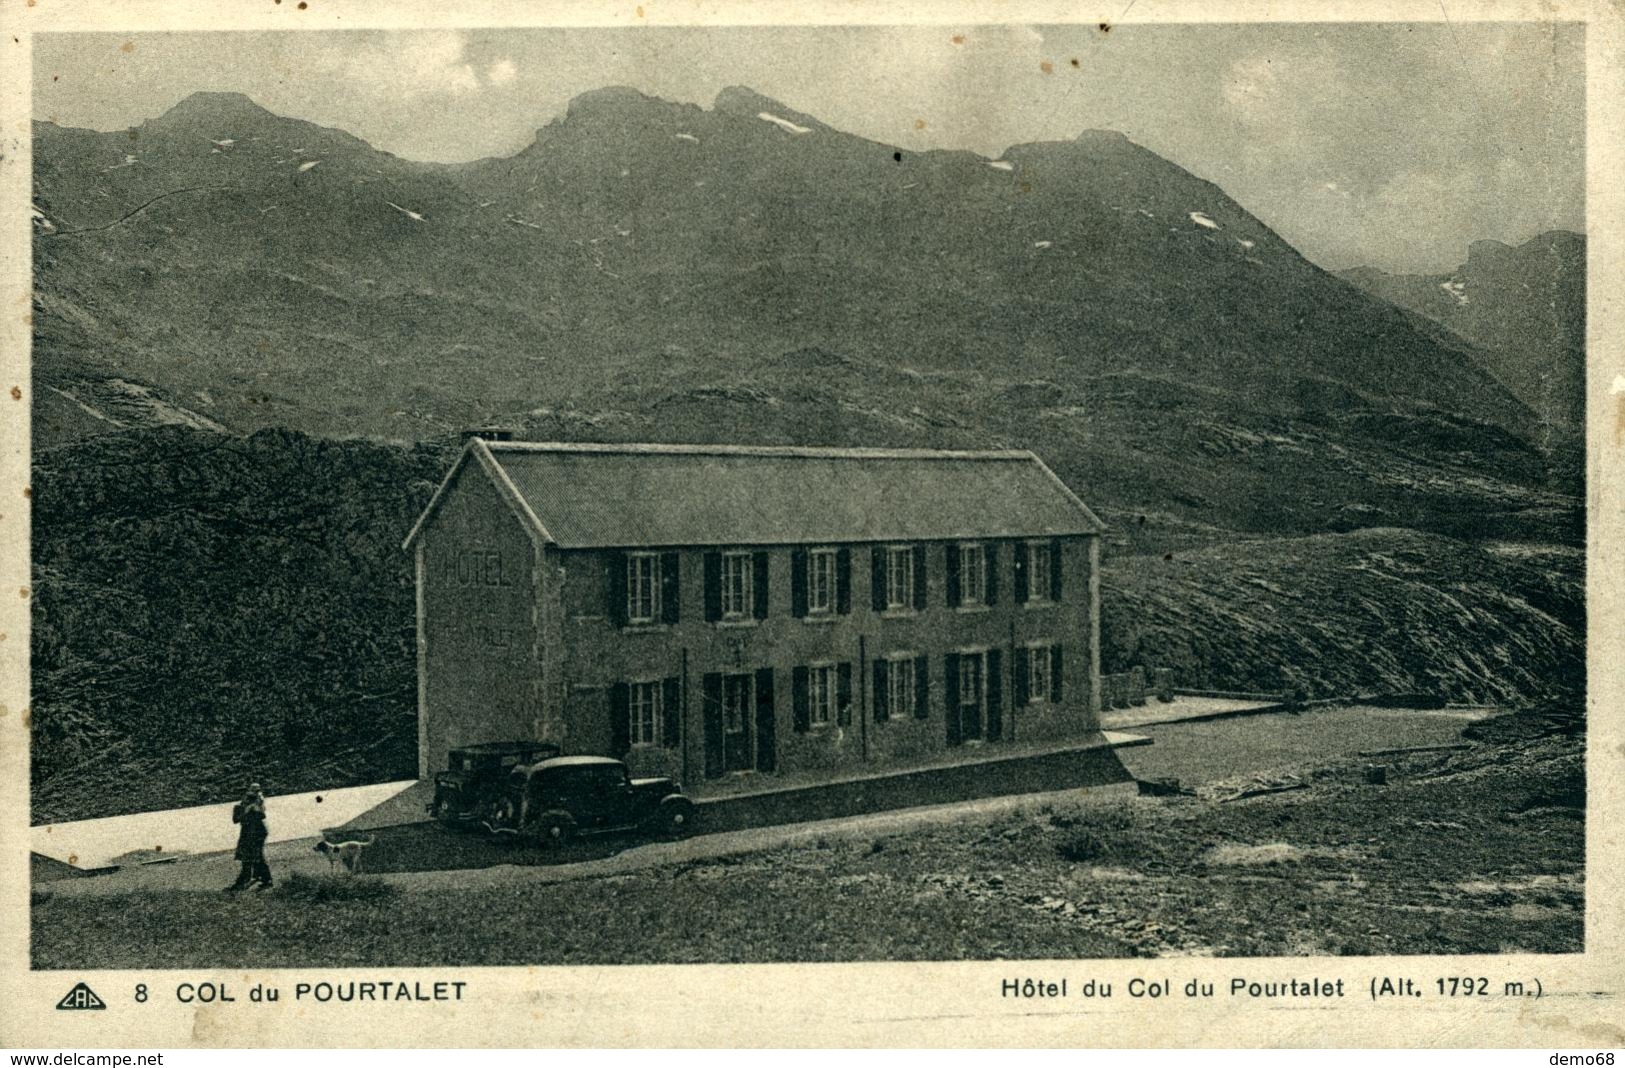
[476, 778]
[553, 800]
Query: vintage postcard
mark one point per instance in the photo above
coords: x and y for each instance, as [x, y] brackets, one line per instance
[812, 525]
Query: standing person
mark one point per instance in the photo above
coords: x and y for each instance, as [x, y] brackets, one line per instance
[249, 815]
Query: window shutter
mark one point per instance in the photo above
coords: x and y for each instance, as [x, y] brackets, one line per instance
[882, 700]
[620, 719]
[758, 583]
[1057, 688]
[843, 693]
[843, 582]
[671, 710]
[671, 589]
[798, 583]
[990, 583]
[952, 582]
[713, 587]
[1055, 570]
[617, 588]
[919, 578]
[877, 577]
[1023, 680]
[995, 685]
[922, 687]
[798, 697]
[950, 696]
[712, 687]
[1020, 569]
[767, 738]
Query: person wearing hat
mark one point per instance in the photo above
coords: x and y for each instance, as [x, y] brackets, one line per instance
[249, 815]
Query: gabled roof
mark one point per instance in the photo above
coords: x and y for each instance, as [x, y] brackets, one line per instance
[585, 496]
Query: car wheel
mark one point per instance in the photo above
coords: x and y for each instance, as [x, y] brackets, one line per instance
[676, 817]
[553, 829]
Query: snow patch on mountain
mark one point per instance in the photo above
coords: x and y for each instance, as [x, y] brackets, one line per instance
[1002, 165]
[1202, 220]
[1457, 291]
[783, 124]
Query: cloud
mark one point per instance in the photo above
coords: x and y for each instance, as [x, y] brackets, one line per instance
[502, 72]
[406, 65]
[1252, 85]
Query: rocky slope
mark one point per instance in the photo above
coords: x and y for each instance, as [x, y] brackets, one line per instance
[1523, 306]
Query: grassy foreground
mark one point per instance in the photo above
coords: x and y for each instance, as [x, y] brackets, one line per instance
[1476, 851]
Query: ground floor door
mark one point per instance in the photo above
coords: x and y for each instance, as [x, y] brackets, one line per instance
[738, 711]
[974, 697]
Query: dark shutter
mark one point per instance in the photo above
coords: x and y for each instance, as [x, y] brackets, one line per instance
[1057, 688]
[1055, 570]
[671, 589]
[990, 582]
[952, 576]
[620, 719]
[919, 578]
[798, 698]
[713, 587]
[758, 583]
[882, 700]
[616, 593]
[843, 582]
[922, 687]
[767, 738]
[1021, 572]
[671, 711]
[712, 715]
[843, 693]
[877, 577]
[950, 696]
[995, 695]
[1019, 684]
[798, 582]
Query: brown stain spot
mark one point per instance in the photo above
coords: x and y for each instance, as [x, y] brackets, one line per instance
[919, 124]
[73, 858]
[1047, 67]
[28, 491]
[640, 12]
[56, 77]
[303, 5]
[1075, 62]
[22, 591]
[263, 345]
[127, 47]
[28, 716]
[959, 38]
[16, 393]
[1105, 27]
[1025, 187]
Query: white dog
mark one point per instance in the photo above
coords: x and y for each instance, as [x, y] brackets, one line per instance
[346, 853]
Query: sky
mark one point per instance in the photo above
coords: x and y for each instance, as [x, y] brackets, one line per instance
[1392, 146]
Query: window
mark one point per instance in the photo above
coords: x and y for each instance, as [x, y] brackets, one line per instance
[645, 709]
[820, 582]
[821, 694]
[900, 686]
[972, 574]
[736, 585]
[1038, 673]
[642, 587]
[736, 703]
[899, 577]
[1038, 573]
